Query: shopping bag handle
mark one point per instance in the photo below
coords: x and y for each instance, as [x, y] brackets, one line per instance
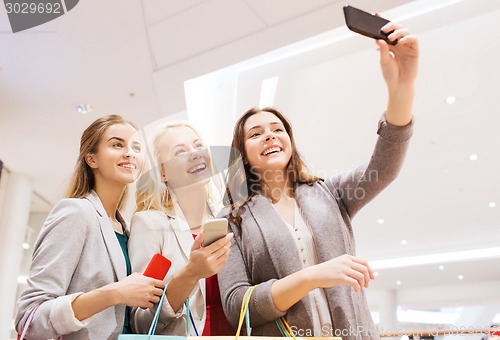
[244, 314]
[28, 323]
[281, 322]
[154, 323]
[152, 328]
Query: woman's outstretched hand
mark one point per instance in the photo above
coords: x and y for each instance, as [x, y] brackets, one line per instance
[399, 63]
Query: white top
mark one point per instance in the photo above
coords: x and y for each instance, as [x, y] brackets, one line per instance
[153, 232]
[301, 232]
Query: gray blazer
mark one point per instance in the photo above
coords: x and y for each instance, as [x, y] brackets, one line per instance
[264, 251]
[77, 251]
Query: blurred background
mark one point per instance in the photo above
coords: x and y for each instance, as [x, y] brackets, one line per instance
[433, 236]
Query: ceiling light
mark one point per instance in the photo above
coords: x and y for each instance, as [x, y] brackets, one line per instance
[83, 108]
[451, 100]
[440, 267]
[376, 274]
[404, 242]
[380, 221]
[398, 282]
[268, 91]
[492, 204]
[473, 157]
[460, 277]
[26, 246]
[440, 258]
[425, 317]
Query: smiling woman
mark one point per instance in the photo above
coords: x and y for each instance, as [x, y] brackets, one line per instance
[174, 200]
[294, 240]
[118, 158]
[80, 283]
[184, 159]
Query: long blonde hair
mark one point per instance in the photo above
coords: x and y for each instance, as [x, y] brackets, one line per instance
[151, 192]
[83, 181]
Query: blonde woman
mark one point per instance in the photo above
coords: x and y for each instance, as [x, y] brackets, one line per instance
[173, 200]
[80, 282]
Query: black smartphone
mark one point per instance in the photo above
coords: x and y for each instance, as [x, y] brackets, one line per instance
[366, 24]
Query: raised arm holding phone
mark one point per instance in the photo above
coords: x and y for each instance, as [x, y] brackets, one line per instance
[293, 233]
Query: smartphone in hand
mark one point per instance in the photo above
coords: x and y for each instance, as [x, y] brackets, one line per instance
[366, 24]
[158, 267]
[214, 230]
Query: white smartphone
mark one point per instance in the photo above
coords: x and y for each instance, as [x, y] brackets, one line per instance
[214, 229]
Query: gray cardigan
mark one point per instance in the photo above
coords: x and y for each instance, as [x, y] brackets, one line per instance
[77, 251]
[263, 250]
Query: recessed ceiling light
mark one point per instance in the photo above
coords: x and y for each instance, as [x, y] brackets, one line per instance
[440, 267]
[26, 246]
[451, 100]
[83, 108]
[398, 282]
[460, 277]
[492, 204]
[404, 242]
[380, 221]
[473, 157]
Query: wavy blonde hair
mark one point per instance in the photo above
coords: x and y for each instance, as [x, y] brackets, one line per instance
[151, 192]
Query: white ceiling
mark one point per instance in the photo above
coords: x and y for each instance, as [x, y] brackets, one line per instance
[133, 57]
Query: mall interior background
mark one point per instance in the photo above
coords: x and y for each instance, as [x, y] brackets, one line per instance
[432, 236]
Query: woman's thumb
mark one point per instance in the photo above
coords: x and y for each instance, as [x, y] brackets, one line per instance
[198, 241]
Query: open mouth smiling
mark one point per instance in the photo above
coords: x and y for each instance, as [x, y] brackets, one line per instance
[197, 168]
[271, 150]
[128, 166]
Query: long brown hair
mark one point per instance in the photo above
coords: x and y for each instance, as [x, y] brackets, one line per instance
[83, 180]
[242, 182]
